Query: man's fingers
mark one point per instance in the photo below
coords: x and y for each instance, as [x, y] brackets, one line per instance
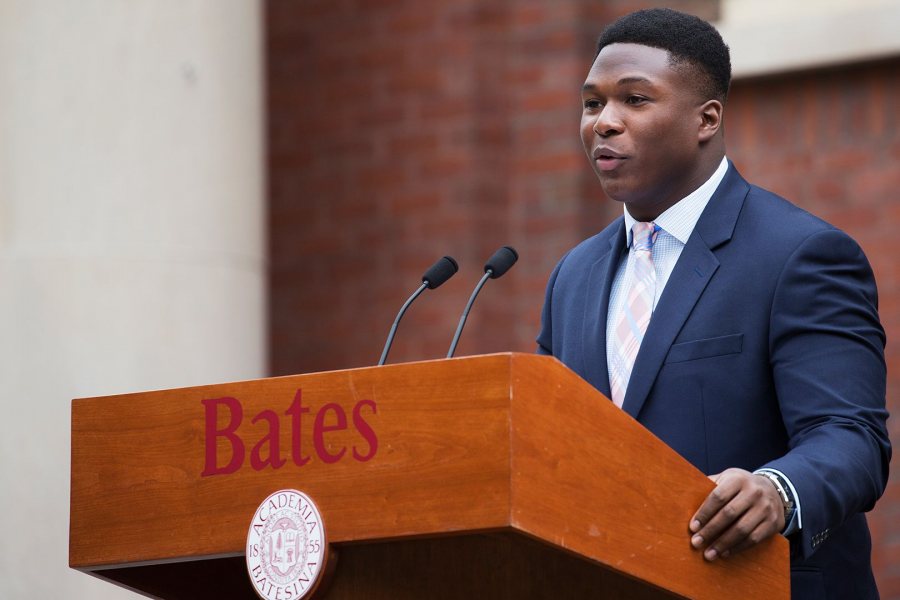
[762, 531]
[748, 530]
[723, 493]
[743, 510]
[721, 521]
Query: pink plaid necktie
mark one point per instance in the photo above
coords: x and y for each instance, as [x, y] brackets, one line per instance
[631, 324]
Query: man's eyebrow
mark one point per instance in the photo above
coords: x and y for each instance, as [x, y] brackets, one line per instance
[587, 87]
[633, 79]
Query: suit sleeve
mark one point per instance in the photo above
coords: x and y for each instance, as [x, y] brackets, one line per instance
[827, 353]
[545, 337]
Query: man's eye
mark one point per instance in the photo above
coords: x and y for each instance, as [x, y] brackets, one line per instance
[635, 100]
[592, 104]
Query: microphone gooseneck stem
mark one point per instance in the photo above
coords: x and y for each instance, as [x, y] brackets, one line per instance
[462, 319]
[390, 338]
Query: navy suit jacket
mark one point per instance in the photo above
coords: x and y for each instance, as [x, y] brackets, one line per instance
[765, 350]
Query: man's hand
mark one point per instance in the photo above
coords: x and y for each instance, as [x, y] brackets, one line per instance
[743, 510]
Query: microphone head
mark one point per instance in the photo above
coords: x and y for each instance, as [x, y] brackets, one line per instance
[501, 261]
[440, 272]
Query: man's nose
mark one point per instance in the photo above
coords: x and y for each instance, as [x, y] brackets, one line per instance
[608, 122]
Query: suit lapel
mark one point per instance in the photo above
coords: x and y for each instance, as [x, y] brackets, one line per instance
[595, 308]
[692, 273]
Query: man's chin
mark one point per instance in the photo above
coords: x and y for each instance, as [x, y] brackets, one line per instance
[613, 189]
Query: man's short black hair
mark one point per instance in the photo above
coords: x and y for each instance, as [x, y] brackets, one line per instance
[690, 41]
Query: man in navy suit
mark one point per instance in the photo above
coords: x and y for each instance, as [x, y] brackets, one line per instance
[736, 327]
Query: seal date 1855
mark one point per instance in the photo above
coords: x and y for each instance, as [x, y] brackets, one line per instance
[285, 546]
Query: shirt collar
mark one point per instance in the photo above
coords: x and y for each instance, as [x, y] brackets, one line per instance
[681, 218]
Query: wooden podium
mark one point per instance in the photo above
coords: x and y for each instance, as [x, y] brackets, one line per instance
[499, 476]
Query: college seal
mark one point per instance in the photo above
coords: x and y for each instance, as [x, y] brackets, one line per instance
[285, 546]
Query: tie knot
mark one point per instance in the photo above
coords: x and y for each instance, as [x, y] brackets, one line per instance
[643, 235]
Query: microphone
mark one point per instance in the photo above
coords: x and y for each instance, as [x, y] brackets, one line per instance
[436, 274]
[496, 266]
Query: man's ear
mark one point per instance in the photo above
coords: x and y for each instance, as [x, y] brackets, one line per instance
[710, 120]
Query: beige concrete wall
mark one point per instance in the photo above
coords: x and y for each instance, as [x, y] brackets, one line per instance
[776, 36]
[131, 234]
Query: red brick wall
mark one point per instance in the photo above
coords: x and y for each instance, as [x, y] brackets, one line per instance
[402, 130]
